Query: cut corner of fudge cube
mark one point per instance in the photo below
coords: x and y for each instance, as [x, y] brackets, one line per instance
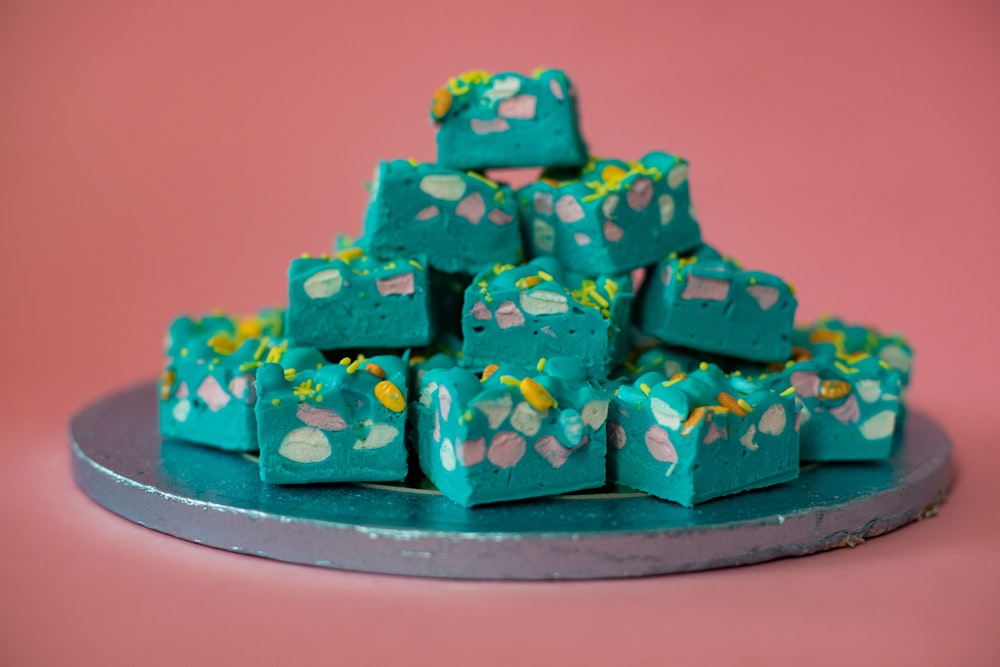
[523, 313]
[512, 432]
[614, 216]
[206, 392]
[700, 435]
[353, 300]
[333, 422]
[508, 120]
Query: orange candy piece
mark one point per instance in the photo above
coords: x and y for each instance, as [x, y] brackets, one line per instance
[440, 103]
[831, 390]
[727, 401]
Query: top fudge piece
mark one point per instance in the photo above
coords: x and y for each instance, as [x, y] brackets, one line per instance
[354, 301]
[520, 314]
[708, 303]
[492, 121]
[615, 217]
[462, 221]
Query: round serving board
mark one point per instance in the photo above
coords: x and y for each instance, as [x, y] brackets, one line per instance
[217, 499]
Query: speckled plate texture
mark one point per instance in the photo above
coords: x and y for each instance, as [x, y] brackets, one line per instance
[216, 498]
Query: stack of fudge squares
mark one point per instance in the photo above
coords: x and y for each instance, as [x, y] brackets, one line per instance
[503, 345]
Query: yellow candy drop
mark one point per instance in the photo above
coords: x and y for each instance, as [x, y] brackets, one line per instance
[539, 398]
[389, 395]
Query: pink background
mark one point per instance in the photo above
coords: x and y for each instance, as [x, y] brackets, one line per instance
[157, 158]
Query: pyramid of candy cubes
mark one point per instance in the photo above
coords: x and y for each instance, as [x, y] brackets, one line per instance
[493, 341]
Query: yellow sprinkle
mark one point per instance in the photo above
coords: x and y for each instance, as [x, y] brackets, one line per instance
[753, 280]
[275, 402]
[727, 401]
[354, 366]
[527, 282]
[746, 406]
[319, 399]
[884, 364]
[325, 256]
[545, 276]
[540, 365]
[645, 388]
[261, 347]
[275, 354]
[510, 381]
[375, 370]
[222, 344]
[349, 254]
[788, 392]
[674, 379]
[389, 395]
[346, 361]
[290, 373]
[467, 416]
[488, 371]
[417, 359]
[703, 366]
[477, 176]
[184, 352]
[537, 395]
[306, 255]
[416, 264]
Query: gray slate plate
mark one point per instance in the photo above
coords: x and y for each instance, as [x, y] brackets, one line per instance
[216, 499]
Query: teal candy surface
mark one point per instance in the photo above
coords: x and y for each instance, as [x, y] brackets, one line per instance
[460, 221]
[329, 424]
[348, 302]
[489, 441]
[207, 392]
[508, 120]
[848, 410]
[710, 304]
[520, 314]
[673, 440]
[614, 217]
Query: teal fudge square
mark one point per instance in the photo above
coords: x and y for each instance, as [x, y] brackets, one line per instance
[493, 121]
[699, 436]
[514, 433]
[519, 314]
[336, 423]
[461, 221]
[613, 217]
[352, 300]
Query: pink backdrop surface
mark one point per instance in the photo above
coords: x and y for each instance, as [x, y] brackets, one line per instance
[159, 158]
